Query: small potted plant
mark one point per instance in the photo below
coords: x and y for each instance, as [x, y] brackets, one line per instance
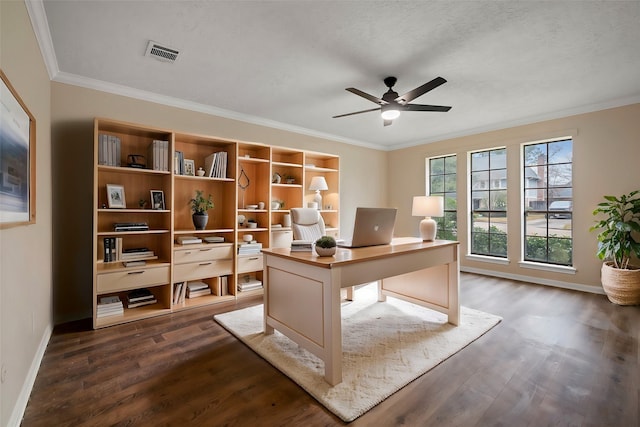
[326, 246]
[617, 244]
[199, 207]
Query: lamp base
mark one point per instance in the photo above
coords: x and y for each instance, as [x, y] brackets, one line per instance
[318, 199]
[428, 229]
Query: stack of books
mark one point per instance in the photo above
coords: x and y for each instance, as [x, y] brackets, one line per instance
[158, 153]
[248, 283]
[131, 226]
[215, 165]
[197, 289]
[249, 248]
[108, 150]
[113, 251]
[179, 292]
[301, 246]
[188, 240]
[110, 306]
[140, 297]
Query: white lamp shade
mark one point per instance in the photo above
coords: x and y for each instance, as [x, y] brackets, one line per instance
[318, 183]
[428, 206]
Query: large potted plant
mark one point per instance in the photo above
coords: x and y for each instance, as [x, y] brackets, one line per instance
[617, 245]
[199, 207]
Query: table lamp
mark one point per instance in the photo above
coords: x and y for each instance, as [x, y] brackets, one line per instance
[428, 206]
[318, 183]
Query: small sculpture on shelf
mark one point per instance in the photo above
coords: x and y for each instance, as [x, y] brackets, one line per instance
[199, 207]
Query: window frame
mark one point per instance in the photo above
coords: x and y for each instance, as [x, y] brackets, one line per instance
[444, 232]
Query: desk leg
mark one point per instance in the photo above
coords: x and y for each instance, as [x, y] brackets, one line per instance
[454, 290]
[268, 330]
[381, 297]
[333, 328]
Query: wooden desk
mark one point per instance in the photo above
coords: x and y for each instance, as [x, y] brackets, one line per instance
[302, 290]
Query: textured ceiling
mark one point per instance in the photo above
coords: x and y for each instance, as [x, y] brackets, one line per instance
[287, 63]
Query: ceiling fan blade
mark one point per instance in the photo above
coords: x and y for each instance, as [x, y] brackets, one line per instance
[421, 90]
[388, 122]
[357, 112]
[422, 107]
[366, 96]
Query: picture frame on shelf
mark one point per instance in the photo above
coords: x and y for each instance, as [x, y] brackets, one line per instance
[115, 196]
[17, 159]
[189, 167]
[157, 200]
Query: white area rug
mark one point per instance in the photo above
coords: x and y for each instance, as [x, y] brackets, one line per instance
[385, 346]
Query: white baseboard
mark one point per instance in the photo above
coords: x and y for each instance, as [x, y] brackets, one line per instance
[27, 386]
[536, 280]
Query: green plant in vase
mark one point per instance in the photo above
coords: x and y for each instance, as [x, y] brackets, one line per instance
[199, 206]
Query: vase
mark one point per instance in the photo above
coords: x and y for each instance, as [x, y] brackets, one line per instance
[325, 251]
[200, 221]
[622, 286]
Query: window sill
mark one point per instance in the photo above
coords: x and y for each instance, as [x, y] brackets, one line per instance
[489, 259]
[547, 267]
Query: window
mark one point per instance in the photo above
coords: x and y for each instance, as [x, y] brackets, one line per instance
[548, 202]
[442, 182]
[489, 203]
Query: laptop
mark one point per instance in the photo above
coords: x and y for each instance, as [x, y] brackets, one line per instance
[373, 226]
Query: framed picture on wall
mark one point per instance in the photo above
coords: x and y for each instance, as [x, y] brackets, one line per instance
[115, 196]
[17, 159]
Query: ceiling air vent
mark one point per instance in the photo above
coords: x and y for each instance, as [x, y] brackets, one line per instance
[161, 53]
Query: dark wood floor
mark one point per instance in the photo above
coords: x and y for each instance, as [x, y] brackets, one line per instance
[559, 358]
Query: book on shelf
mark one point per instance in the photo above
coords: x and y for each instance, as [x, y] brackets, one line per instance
[188, 240]
[197, 288]
[178, 296]
[109, 150]
[248, 283]
[221, 286]
[249, 248]
[130, 226]
[178, 163]
[109, 306]
[141, 303]
[139, 295]
[136, 263]
[101, 314]
[215, 165]
[158, 155]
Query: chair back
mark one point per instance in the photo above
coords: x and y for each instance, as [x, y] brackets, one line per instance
[307, 224]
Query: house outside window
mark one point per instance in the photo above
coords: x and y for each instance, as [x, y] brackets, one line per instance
[442, 182]
[488, 203]
[548, 202]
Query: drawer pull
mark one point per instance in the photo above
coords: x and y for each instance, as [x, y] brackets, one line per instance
[254, 259]
[205, 263]
[135, 272]
[205, 249]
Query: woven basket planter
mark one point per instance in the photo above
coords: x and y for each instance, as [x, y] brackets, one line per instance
[622, 286]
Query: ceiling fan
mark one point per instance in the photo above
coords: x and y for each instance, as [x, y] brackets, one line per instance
[391, 104]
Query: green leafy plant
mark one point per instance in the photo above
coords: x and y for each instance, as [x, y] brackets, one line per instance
[622, 218]
[200, 205]
[326, 242]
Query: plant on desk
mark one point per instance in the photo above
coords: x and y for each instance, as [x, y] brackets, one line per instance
[326, 246]
[199, 207]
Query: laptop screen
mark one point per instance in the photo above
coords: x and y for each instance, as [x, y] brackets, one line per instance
[373, 226]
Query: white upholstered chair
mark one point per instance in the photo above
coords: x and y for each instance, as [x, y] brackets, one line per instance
[307, 224]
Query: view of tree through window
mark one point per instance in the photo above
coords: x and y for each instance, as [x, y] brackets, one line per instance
[488, 203]
[442, 182]
[548, 202]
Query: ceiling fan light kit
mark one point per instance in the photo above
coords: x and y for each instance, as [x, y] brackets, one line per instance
[391, 104]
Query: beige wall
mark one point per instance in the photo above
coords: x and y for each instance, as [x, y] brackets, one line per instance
[25, 252]
[606, 156]
[73, 110]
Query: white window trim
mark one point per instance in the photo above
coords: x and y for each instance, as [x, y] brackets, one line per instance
[489, 259]
[548, 267]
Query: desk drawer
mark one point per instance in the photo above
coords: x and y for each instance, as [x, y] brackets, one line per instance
[250, 263]
[132, 279]
[201, 270]
[183, 256]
